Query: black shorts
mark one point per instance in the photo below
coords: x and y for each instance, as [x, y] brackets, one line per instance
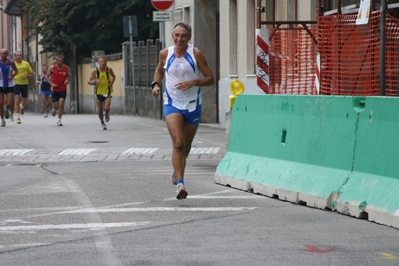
[101, 97]
[21, 90]
[57, 95]
[7, 90]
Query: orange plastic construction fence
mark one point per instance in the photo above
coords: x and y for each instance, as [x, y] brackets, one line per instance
[350, 55]
[292, 59]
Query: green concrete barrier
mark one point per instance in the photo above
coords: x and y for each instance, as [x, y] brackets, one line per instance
[328, 152]
[372, 190]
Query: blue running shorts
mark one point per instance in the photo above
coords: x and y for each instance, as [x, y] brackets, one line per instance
[192, 118]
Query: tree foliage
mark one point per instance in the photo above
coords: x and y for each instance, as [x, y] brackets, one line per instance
[88, 25]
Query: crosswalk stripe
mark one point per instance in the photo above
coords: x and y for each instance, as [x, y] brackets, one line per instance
[76, 152]
[14, 151]
[204, 150]
[131, 151]
[139, 151]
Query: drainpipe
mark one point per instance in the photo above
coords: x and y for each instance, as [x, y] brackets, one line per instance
[382, 46]
[258, 14]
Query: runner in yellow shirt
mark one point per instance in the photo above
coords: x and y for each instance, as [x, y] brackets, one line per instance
[103, 78]
[21, 84]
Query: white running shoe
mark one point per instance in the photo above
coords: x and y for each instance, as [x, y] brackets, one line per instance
[59, 123]
[3, 123]
[53, 112]
[103, 126]
[45, 114]
[11, 117]
[181, 192]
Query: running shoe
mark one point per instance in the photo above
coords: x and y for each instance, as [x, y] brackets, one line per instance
[53, 112]
[181, 192]
[174, 178]
[59, 123]
[6, 113]
[106, 116]
[103, 126]
[3, 123]
[22, 109]
[45, 114]
[11, 117]
[18, 120]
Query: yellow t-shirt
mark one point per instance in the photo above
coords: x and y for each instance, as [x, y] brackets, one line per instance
[24, 68]
[103, 87]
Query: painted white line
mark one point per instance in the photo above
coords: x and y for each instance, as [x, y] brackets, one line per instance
[139, 151]
[204, 150]
[163, 209]
[102, 240]
[226, 197]
[91, 226]
[25, 245]
[41, 209]
[14, 152]
[76, 151]
[219, 192]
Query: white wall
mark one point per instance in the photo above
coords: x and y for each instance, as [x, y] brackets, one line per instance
[237, 50]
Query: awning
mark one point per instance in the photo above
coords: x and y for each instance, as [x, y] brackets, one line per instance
[15, 8]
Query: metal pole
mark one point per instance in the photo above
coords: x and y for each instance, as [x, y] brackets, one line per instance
[93, 64]
[132, 55]
[382, 47]
[162, 42]
[2, 25]
[72, 75]
[162, 33]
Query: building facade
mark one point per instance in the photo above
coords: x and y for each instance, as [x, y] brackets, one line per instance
[11, 25]
[223, 30]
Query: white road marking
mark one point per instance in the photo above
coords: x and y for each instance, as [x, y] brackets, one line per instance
[204, 150]
[139, 151]
[76, 151]
[102, 240]
[226, 197]
[40, 209]
[162, 209]
[91, 226]
[71, 152]
[14, 152]
[25, 245]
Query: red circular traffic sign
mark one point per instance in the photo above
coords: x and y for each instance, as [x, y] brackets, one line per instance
[161, 4]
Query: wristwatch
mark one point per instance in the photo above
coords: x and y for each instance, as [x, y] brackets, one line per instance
[153, 84]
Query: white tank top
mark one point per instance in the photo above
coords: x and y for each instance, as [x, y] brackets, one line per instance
[177, 70]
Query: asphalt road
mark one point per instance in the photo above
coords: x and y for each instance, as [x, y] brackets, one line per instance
[77, 195]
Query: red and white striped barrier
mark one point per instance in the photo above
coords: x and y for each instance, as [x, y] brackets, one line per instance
[262, 59]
